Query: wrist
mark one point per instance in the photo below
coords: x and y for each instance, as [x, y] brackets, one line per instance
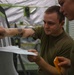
[39, 60]
[20, 32]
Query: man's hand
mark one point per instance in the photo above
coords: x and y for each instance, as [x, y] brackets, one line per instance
[2, 32]
[32, 58]
[64, 62]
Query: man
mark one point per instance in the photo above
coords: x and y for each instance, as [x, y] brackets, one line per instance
[54, 41]
[51, 41]
[67, 7]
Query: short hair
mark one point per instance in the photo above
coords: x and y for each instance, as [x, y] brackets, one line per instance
[55, 9]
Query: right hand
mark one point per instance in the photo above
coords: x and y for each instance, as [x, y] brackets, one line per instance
[64, 62]
[33, 58]
[2, 32]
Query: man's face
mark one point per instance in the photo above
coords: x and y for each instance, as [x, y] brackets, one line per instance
[67, 7]
[51, 24]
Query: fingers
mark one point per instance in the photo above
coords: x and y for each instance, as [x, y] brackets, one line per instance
[64, 62]
[34, 51]
[61, 60]
[33, 58]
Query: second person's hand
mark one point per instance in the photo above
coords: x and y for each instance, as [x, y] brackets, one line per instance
[2, 32]
[64, 62]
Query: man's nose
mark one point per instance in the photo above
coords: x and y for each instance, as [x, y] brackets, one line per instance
[46, 25]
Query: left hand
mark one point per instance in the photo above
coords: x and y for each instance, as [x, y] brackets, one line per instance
[33, 58]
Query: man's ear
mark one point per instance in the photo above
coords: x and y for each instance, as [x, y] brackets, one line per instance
[62, 23]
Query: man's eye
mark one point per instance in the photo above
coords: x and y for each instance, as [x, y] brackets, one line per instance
[44, 21]
[51, 23]
[61, 4]
[48, 22]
